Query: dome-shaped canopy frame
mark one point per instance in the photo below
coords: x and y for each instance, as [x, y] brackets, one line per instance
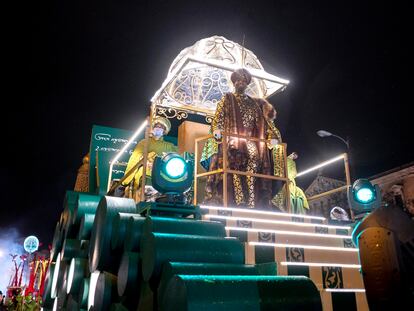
[200, 75]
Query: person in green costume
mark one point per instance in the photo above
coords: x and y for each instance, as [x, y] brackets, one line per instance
[298, 202]
[156, 147]
[30, 304]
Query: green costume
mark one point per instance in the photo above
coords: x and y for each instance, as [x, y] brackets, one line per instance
[298, 202]
[155, 147]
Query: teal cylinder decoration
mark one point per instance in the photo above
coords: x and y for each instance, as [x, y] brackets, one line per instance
[58, 275]
[236, 293]
[72, 304]
[84, 246]
[100, 256]
[119, 228]
[184, 226]
[147, 298]
[118, 307]
[170, 269]
[46, 297]
[71, 248]
[56, 242]
[85, 226]
[83, 293]
[133, 236]
[62, 286]
[106, 291]
[85, 204]
[129, 274]
[78, 270]
[159, 248]
[69, 203]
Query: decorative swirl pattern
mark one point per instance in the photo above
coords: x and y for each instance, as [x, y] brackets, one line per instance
[171, 113]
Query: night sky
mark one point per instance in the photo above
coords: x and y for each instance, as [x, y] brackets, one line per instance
[100, 62]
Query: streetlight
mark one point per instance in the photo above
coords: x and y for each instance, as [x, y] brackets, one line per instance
[323, 133]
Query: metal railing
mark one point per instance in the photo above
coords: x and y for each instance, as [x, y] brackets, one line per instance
[225, 170]
[339, 189]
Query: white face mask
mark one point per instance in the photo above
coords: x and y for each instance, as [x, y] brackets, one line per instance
[157, 132]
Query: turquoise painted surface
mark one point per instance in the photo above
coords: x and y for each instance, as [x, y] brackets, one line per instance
[105, 143]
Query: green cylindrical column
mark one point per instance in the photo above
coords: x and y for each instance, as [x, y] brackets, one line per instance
[70, 199]
[170, 269]
[61, 221]
[61, 290]
[159, 248]
[132, 241]
[46, 297]
[78, 270]
[129, 274]
[71, 248]
[85, 226]
[183, 226]
[100, 256]
[84, 247]
[83, 293]
[72, 304]
[69, 203]
[119, 227]
[147, 298]
[58, 276]
[85, 204]
[71, 231]
[55, 304]
[106, 291]
[93, 281]
[56, 242]
[237, 293]
[118, 307]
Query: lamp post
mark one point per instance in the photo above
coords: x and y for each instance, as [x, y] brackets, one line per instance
[323, 133]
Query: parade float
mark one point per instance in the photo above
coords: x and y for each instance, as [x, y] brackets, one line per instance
[113, 253]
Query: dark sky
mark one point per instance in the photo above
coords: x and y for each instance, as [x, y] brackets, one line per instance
[100, 62]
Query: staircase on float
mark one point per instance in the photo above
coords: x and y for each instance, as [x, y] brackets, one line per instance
[300, 245]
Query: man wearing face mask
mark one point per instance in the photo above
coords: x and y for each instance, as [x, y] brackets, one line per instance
[156, 147]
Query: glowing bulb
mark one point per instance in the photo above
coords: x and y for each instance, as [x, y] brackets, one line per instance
[365, 195]
[175, 167]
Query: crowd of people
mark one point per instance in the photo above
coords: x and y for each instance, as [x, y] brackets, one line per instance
[20, 301]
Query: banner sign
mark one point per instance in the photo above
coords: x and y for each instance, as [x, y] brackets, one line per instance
[106, 143]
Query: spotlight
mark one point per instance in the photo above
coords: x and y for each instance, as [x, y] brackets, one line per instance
[175, 167]
[363, 197]
[172, 174]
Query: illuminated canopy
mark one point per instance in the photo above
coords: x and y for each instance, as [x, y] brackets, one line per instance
[200, 75]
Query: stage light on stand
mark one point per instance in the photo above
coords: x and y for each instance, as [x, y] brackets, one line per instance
[172, 175]
[363, 197]
[175, 167]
